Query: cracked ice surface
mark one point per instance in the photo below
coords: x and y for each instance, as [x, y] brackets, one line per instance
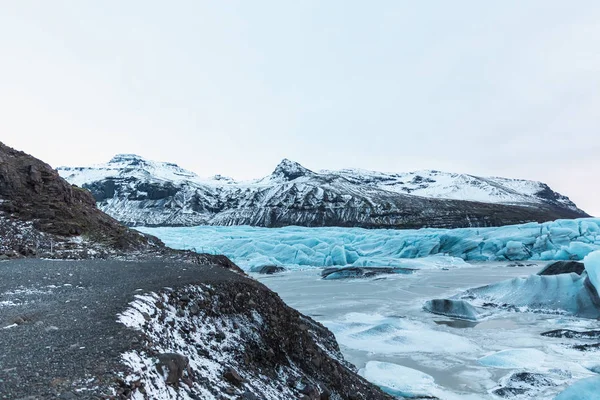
[310, 247]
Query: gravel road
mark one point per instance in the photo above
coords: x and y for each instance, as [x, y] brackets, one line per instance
[59, 336]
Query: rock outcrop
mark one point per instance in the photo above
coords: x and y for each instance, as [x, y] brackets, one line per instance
[275, 353]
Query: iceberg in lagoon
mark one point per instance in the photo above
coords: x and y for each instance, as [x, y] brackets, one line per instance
[571, 294]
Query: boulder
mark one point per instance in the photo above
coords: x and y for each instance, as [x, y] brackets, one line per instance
[232, 376]
[174, 364]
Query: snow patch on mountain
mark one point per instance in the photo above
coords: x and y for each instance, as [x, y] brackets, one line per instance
[138, 191]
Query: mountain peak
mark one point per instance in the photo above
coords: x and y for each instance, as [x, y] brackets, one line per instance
[130, 159]
[290, 170]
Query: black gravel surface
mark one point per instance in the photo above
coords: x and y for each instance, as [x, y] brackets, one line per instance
[59, 335]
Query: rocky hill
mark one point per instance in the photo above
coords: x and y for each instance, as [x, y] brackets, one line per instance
[161, 324]
[137, 191]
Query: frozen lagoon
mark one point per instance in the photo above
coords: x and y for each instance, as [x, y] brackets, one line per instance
[381, 320]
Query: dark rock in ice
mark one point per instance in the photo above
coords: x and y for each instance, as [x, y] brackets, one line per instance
[570, 334]
[453, 308]
[587, 347]
[523, 383]
[362, 272]
[458, 323]
[519, 264]
[267, 269]
[563, 267]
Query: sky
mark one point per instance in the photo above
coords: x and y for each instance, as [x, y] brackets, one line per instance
[507, 88]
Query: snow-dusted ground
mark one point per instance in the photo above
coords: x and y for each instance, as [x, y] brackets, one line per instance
[318, 247]
[210, 341]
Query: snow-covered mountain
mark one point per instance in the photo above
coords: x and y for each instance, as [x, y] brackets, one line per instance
[137, 191]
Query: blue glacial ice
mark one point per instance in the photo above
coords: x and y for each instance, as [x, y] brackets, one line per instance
[324, 247]
[585, 389]
[570, 294]
[592, 268]
[398, 380]
[565, 293]
[514, 358]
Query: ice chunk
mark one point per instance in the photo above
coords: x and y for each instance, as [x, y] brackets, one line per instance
[356, 272]
[453, 308]
[514, 358]
[388, 335]
[592, 267]
[398, 380]
[565, 293]
[588, 389]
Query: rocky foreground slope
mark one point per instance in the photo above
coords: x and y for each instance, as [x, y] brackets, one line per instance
[137, 192]
[164, 324]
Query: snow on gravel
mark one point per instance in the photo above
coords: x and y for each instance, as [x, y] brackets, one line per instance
[212, 343]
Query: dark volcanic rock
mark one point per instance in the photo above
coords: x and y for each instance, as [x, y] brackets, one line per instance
[362, 272]
[32, 191]
[563, 267]
[174, 365]
[267, 269]
[523, 383]
[570, 334]
[232, 376]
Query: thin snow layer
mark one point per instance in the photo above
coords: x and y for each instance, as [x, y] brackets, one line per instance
[514, 358]
[585, 389]
[398, 380]
[592, 267]
[299, 246]
[375, 333]
[211, 341]
[564, 293]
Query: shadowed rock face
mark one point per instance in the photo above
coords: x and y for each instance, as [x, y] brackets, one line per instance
[563, 267]
[30, 190]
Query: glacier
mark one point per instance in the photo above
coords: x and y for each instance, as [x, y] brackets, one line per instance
[588, 389]
[434, 248]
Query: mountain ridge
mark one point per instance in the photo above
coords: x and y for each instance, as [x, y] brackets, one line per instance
[138, 191]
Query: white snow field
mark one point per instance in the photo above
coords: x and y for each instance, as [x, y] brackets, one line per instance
[322, 247]
[384, 329]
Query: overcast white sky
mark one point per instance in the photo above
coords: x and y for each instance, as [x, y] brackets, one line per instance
[508, 88]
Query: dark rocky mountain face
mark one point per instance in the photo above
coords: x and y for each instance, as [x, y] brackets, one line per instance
[42, 215]
[141, 192]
